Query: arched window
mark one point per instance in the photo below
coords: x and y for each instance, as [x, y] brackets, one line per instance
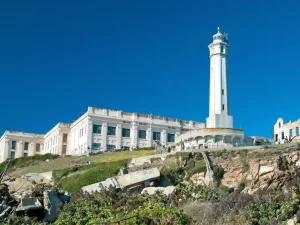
[279, 125]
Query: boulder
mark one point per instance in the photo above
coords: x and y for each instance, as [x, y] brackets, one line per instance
[52, 205]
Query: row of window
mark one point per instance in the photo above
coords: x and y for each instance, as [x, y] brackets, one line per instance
[97, 147]
[126, 133]
[290, 134]
[26, 146]
[13, 155]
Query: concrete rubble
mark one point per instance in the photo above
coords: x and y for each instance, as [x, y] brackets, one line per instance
[130, 181]
[139, 162]
[28, 204]
[24, 195]
[153, 190]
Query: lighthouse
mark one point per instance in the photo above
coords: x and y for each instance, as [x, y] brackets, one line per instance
[218, 91]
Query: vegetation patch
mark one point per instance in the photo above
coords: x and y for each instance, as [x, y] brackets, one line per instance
[92, 174]
[195, 167]
[115, 208]
[282, 163]
[27, 161]
[173, 173]
[244, 160]
[218, 174]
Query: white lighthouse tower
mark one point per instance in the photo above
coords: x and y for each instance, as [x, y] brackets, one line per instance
[218, 93]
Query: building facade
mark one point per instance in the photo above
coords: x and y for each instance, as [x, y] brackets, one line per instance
[57, 140]
[18, 144]
[104, 129]
[283, 130]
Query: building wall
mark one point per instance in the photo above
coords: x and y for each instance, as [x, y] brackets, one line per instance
[19, 144]
[79, 137]
[282, 130]
[57, 139]
[83, 139]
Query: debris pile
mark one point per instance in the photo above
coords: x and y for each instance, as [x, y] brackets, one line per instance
[30, 195]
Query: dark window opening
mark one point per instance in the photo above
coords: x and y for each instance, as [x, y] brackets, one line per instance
[111, 130]
[156, 136]
[142, 134]
[125, 132]
[171, 137]
[13, 144]
[37, 147]
[65, 137]
[97, 129]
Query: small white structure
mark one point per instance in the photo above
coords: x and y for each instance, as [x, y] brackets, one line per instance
[57, 139]
[18, 144]
[282, 131]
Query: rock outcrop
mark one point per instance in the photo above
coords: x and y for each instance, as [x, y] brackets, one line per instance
[256, 170]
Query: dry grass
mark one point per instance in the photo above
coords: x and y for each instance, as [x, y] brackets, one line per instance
[65, 162]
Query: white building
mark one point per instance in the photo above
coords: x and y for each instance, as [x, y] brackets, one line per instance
[57, 140]
[18, 144]
[283, 130]
[104, 129]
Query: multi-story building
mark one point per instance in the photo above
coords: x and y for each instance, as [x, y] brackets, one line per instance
[96, 130]
[18, 144]
[104, 129]
[283, 130]
[57, 139]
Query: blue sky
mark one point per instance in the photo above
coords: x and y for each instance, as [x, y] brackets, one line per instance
[59, 57]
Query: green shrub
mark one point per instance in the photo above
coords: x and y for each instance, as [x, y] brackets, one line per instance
[218, 173]
[110, 207]
[172, 173]
[282, 163]
[199, 168]
[190, 164]
[298, 146]
[244, 160]
[183, 155]
[198, 156]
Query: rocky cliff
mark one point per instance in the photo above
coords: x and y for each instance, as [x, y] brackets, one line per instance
[269, 167]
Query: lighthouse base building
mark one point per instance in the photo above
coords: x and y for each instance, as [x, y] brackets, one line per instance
[219, 131]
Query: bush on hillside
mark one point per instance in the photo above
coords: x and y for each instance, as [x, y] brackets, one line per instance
[74, 178]
[112, 207]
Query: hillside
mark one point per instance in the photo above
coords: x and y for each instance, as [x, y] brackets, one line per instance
[38, 164]
[247, 186]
